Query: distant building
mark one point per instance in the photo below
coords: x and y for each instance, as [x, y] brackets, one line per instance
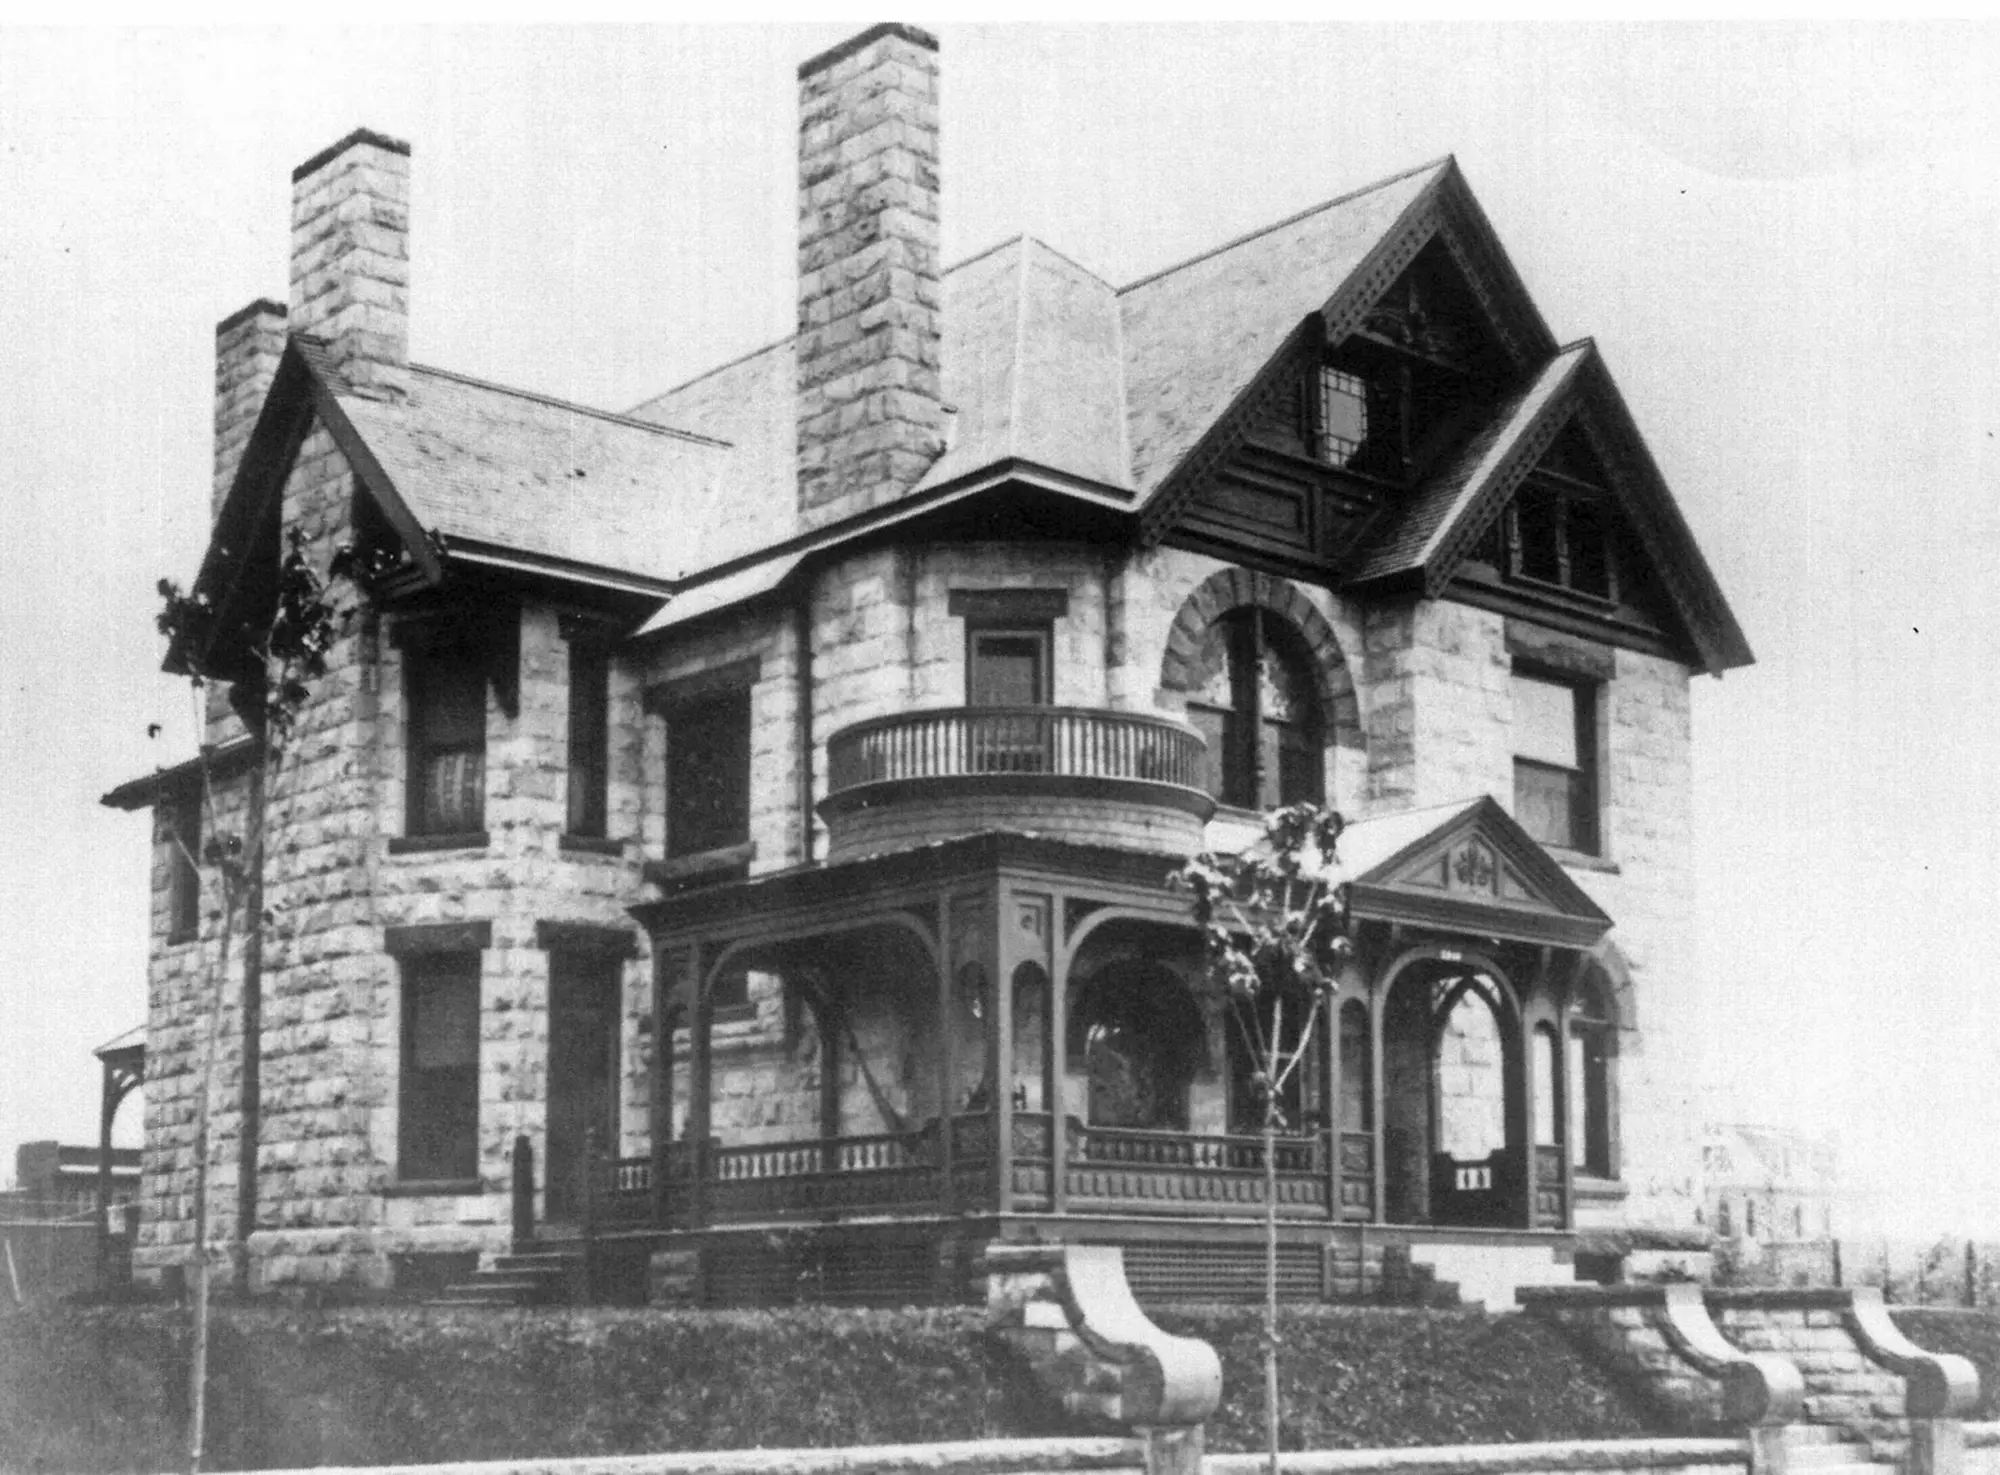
[1768, 1196]
[55, 1181]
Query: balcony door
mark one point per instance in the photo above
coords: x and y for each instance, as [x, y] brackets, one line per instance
[583, 1072]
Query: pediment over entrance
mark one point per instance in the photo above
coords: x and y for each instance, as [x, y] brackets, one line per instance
[1466, 867]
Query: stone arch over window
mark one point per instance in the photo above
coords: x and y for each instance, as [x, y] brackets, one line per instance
[1235, 588]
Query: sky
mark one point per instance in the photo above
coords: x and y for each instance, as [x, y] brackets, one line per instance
[1782, 237]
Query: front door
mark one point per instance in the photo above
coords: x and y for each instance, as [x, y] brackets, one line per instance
[583, 1072]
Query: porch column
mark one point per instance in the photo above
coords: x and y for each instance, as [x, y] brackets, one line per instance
[826, 1014]
[107, 1107]
[1055, 1068]
[660, 1102]
[1378, 1007]
[1000, 1046]
[947, 1068]
[701, 1083]
[1329, 1101]
[1524, 1055]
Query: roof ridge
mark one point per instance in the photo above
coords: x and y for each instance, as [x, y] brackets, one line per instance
[1293, 219]
[1068, 260]
[744, 358]
[550, 400]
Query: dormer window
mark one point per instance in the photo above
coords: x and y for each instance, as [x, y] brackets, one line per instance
[1342, 421]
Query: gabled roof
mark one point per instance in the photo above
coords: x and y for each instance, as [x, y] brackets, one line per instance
[1473, 486]
[1466, 867]
[1052, 379]
[491, 468]
[1197, 334]
[1424, 544]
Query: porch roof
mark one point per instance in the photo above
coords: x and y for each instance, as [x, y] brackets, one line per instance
[1466, 867]
[889, 879]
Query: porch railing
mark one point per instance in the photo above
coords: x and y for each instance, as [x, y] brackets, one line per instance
[957, 742]
[1106, 1169]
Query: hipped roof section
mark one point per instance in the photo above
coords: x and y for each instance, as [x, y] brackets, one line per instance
[1051, 377]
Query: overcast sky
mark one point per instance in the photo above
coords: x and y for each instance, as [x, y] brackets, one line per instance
[1783, 239]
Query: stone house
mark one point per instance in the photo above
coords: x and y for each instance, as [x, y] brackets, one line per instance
[760, 801]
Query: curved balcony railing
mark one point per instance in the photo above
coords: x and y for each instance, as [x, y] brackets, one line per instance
[964, 742]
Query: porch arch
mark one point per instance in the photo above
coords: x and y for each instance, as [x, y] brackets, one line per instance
[1426, 1104]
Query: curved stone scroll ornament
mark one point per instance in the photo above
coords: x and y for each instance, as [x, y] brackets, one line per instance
[1070, 1310]
[1936, 1385]
[1758, 1389]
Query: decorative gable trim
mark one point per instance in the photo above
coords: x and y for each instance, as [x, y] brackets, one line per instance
[1582, 392]
[1642, 495]
[1446, 211]
[1479, 873]
[1225, 438]
[246, 535]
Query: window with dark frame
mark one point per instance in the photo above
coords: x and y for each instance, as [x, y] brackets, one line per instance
[1560, 535]
[438, 1100]
[708, 773]
[183, 871]
[1007, 668]
[1257, 709]
[589, 738]
[1555, 760]
[1591, 1037]
[446, 690]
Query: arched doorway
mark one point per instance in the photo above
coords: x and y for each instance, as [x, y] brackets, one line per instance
[1137, 1041]
[1454, 1139]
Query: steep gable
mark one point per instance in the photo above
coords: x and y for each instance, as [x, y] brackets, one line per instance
[1211, 343]
[1477, 527]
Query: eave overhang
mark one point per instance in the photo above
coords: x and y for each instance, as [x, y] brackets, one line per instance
[221, 761]
[769, 569]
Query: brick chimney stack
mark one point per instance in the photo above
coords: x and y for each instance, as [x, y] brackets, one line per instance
[248, 344]
[870, 406]
[351, 258]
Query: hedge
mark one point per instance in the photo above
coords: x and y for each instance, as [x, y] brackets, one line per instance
[104, 1388]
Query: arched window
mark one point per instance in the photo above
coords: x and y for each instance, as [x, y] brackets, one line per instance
[1257, 706]
[1593, 1040]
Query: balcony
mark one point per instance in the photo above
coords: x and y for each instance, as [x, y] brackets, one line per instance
[1122, 779]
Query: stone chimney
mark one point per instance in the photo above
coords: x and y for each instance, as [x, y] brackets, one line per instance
[248, 344]
[351, 258]
[870, 406]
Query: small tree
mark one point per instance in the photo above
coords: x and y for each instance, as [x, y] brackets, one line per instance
[1274, 925]
[268, 661]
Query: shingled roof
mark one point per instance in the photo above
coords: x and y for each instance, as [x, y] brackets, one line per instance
[1198, 333]
[1049, 375]
[487, 466]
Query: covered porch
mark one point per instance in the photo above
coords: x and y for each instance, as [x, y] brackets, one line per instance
[1434, 1096]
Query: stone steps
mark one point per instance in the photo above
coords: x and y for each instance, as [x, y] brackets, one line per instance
[537, 1278]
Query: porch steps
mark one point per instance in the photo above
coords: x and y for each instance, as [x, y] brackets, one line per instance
[1827, 1449]
[536, 1278]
